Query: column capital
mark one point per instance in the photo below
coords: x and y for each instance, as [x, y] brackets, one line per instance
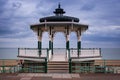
[67, 31]
[39, 38]
[67, 37]
[39, 32]
[79, 35]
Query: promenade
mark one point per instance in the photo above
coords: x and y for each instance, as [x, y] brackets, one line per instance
[58, 76]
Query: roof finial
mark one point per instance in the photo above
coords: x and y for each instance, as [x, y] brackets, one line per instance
[59, 6]
[59, 11]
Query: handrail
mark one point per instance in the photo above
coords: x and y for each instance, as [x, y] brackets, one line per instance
[33, 52]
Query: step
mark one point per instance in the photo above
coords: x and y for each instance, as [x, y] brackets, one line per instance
[58, 67]
[58, 63]
[61, 66]
[58, 71]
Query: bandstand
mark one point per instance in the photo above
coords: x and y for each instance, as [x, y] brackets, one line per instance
[59, 23]
[46, 60]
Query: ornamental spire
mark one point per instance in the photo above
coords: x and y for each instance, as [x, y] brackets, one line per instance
[59, 6]
[59, 11]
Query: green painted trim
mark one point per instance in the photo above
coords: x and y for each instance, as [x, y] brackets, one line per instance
[45, 65]
[49, 44]
[67, 45]
[3, 66]
[70, 66]
[78, 47]
[96, 69]
[39, 44]
[68, 53]
[104, 66]
[52, 47]
[18, 51]
[39, 47]
[47, 53]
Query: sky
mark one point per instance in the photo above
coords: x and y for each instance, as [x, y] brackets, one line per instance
[102, 16]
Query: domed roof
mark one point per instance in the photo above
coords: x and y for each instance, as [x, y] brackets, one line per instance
[59, 17]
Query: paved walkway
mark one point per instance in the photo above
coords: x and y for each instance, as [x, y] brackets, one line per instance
[29, 76]
[58, 76]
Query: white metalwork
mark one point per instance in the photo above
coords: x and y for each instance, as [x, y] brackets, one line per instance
[86, 52]
[29, 52]
[62, 54]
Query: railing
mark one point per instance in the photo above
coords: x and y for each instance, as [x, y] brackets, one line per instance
[34, 67]
[92, 67]
[6, 66]
[32, 52]
[85, 52]
[9, 69]
[9, 66]
[37, 61]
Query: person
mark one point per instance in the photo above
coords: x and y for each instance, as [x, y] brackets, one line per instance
[22, 64]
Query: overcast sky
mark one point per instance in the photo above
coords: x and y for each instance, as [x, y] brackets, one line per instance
[102, 16]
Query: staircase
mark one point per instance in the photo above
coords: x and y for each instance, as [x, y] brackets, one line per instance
[58, 67]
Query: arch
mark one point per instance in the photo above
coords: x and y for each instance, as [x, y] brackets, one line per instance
[73, 40]
[45, 39]
[59, 40]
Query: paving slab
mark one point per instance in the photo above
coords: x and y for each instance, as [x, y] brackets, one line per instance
[56, 76]
[26, 78]
[66, 76]
[75, 75]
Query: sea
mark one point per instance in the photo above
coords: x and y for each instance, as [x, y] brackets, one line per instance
[107, 53]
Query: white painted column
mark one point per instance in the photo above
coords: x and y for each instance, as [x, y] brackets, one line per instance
[52, 37]
[79, 42]
[67, 42]
[50, 41]
[39, 41]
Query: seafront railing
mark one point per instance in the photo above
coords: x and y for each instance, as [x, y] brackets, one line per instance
[97, 66]
[9, 66]
[16, 66]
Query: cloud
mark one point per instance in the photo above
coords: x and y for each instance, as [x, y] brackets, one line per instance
[102, 17]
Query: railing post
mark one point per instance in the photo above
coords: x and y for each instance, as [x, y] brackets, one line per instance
[70, 66]
[3, 66]
[40, 47]
[18, 51]
[47, 54]
[14, 68]
[104, 67]
[68, 54]
[45, 65]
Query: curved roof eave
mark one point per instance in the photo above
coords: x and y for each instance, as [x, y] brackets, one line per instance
[58, 23]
